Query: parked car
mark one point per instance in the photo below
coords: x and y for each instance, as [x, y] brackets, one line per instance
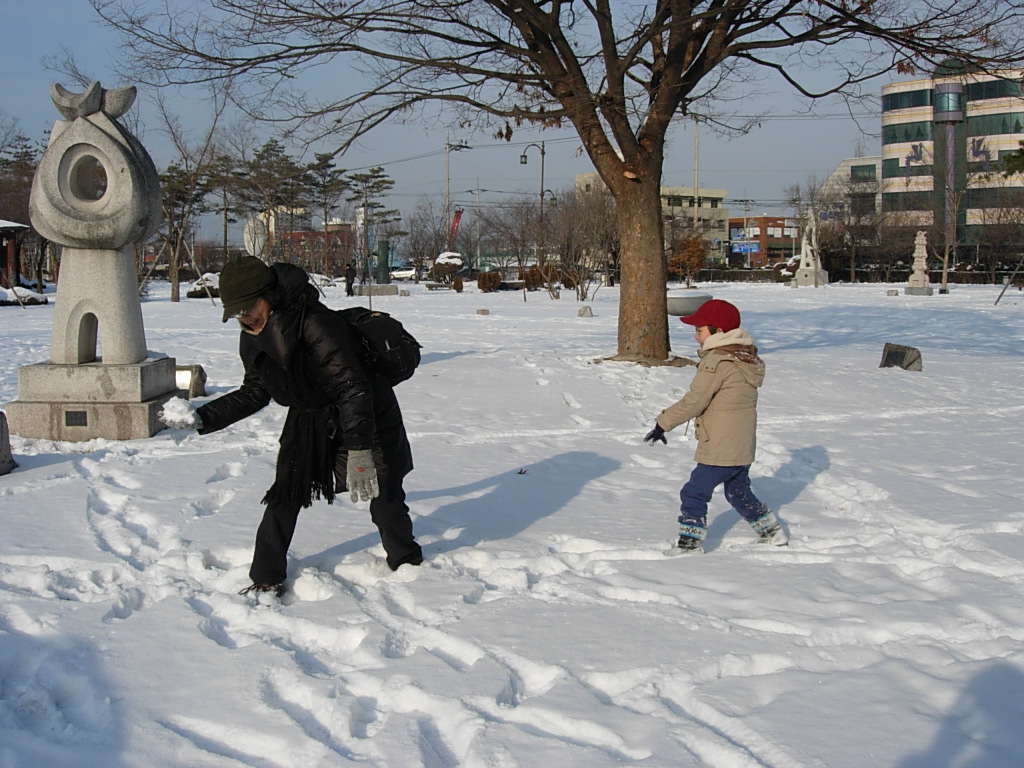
[403, 273]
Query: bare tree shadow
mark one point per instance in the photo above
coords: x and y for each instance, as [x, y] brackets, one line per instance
[983, 729]
[785, 485]
[500, 506]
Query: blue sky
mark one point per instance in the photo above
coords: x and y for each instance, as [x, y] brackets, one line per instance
[785, 150]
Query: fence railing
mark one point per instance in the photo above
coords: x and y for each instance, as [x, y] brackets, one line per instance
[863, 275]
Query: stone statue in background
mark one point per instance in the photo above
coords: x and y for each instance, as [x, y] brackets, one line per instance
[810, 272]
[96, 192]
[919, 284]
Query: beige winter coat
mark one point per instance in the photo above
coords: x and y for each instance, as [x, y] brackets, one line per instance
[723, 400]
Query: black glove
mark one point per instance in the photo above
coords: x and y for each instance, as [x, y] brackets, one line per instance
[655, 434]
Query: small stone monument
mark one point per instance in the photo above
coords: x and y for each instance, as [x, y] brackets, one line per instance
[901, 356]
[810, 272]
[7, 462]
[97, 193]
[919, 285]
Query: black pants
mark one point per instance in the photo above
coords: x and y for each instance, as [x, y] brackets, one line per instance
[388, 511]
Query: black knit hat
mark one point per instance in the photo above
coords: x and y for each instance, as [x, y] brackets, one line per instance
[242, 281]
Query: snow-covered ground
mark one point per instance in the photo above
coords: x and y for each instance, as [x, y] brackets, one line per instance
[547, 627]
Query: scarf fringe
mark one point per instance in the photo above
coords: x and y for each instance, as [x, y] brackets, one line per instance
[305, 463]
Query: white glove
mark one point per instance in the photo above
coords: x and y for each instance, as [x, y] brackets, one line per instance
[179, 413]
[362, 476]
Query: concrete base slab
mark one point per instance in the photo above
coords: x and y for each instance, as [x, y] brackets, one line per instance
[80, 421]
[96, 382]
[806, 277]
[376, 290]
[912, 291]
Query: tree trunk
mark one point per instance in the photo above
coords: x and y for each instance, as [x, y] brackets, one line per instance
[643, 308]
[172, 269]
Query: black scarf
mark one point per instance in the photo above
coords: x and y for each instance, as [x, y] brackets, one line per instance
[305, 463]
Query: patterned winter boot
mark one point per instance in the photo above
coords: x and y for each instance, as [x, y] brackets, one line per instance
[769, 530]
[691, 538]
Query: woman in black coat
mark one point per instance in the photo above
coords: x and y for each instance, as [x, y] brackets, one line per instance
[344, 427]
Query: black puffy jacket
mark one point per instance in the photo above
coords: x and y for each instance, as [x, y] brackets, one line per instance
[306, 359]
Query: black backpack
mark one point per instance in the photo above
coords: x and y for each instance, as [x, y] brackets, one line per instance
[388, 348]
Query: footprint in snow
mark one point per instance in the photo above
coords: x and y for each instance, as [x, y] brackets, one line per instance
[646, 461]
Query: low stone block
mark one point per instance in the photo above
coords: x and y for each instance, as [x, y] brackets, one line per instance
[483, 311]
[585, 312]
[900, 356]
[78, 422]
[96, 382]
[376, 290]
[918, 291]
[191, 379]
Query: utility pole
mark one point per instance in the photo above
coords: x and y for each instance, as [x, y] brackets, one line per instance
[448, 149]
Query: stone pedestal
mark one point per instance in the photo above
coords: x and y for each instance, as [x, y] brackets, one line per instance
[810, 276]
[93, 400]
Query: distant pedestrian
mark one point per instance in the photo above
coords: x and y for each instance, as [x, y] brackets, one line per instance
[723, 402]
[350, 279]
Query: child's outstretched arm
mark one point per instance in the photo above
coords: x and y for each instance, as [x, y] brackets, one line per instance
[703, 387]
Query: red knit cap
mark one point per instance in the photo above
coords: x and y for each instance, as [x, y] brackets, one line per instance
[721, 314]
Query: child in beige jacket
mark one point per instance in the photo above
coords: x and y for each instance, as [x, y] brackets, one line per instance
[723, 402]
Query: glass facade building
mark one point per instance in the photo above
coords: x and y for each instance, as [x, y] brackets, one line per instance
[942, 142]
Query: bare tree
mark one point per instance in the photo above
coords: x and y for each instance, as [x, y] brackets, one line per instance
[619, 73]
[853, 216]
[426, 235]
[511, 227]
[894, 248]
[584, 230]
[185, 182]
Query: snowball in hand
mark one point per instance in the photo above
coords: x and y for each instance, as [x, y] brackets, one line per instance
[179, 413]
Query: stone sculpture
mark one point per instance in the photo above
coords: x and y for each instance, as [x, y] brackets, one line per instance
[96, 192]
[918, 283]
[810, 272]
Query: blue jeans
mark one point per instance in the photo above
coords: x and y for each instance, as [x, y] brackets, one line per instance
[696, 494]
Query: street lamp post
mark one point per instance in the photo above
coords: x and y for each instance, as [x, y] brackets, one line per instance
[523, 160]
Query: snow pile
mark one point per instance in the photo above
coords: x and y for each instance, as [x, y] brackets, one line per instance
[449, 257]
[19, 295]
[547, 627]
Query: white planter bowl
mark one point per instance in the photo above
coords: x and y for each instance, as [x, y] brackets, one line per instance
[685, 303]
